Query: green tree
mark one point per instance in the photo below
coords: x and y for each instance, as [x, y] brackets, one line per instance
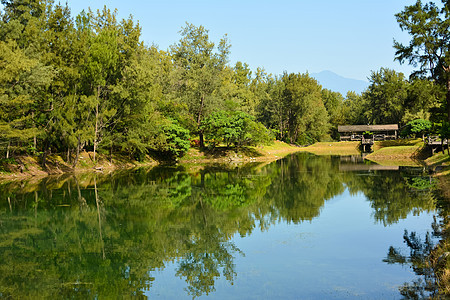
[173, 141]
[337, 111]
[419, 126]
[270, 109]
[423, 101]
[236, 128]
[26, 76]
[200, 69]
[428, 25]
[386, 96]
[356, 106]
[307, 119]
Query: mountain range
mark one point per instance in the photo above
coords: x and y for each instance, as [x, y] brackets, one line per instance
[336, 83]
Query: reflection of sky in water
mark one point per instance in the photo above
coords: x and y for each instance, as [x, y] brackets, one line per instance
[338, 255]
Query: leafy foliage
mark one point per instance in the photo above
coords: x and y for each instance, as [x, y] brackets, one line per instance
[418, 126]
[428, 27]
[236, 128]
[175, 141]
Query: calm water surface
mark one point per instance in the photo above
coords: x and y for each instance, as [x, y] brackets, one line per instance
[304, 227]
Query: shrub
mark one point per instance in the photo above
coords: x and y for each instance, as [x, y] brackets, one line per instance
[173, 141]
[236, 128]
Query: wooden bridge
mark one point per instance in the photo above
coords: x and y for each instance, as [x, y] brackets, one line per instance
[378, 133]
[435, 143]
[356, 132]
[366, 144]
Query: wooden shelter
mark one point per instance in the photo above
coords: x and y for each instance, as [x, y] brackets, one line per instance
[380, 132]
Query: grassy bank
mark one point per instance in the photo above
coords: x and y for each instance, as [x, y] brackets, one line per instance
[243, 154]
[333, 148]
[398, 150]
[29, 166]
[408, 151]
[22, 167]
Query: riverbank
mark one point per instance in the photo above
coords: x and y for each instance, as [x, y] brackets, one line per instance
[333, 148]
[271, 152]
[405, 152]
[24, 167]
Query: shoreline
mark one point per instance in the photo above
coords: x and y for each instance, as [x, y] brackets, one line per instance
[398, 152]
[57, 166]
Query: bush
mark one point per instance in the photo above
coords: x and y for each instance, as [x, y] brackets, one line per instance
[236, 128]
[173, 141]
[416, 127]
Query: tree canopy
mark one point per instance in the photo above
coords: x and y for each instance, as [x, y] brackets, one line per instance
[428, 50]
[88, 82]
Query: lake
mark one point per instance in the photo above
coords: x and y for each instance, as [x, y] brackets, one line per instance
[303, 227]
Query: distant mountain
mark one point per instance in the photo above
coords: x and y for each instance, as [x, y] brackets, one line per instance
[336, 83]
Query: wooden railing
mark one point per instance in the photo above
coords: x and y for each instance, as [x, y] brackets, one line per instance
[365, 141]
[376, 137]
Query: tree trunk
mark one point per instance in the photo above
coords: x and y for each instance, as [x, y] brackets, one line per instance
[34, 137]
[78, 153]
[202, 141]
[44, 155]
[96, 123]
[199, 120]
[448, 99]
[281, 128]
[7, 150]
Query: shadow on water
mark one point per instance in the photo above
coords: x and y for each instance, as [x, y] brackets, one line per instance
[95, 236]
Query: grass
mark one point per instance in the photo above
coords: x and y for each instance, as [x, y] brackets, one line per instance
[223, 154]
[404, 151]
[333, 148]
[398, 143]
[438, 158]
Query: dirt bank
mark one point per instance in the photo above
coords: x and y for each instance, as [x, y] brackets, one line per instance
[24, 167]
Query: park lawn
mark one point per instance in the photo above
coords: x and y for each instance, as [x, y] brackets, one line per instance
[333, 148]
[397, 143]
[405, 151]
[438, 158]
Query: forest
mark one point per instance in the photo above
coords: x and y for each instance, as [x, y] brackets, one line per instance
[89, 83]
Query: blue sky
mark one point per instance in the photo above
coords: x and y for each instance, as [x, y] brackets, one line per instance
[348, 37]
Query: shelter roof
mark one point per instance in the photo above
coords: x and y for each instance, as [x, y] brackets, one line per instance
[362, 128]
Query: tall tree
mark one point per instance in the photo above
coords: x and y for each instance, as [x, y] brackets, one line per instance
[386, 96]
[429, 48]
[25, 75]
[200, 68]
[307, 116]
[337, 111]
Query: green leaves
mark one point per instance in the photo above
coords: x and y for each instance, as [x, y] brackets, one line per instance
[236, 128]
[428, 26]
[386, 97]
[174, 142]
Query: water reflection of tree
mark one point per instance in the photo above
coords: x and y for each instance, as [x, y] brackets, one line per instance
[300, 186]
[391, 195]
[50, 240]
[419, 258]
[80, 245]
